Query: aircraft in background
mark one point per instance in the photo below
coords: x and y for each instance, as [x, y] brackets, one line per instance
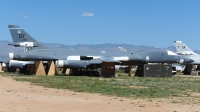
[81, 59]
[183, 49]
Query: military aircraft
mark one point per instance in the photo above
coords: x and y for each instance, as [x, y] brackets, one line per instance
[12, 64]
[19, 64]
[183, 49]
[80, 59]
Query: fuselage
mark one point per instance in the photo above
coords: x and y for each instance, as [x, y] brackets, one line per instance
[126, 58]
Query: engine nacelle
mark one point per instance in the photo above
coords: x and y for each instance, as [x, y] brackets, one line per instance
[72, 63]
[19, 64]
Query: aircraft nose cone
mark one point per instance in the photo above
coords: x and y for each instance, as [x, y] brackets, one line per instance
[188, 60]
[184, 59]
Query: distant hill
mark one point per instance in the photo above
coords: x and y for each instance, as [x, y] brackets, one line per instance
[5, 48]
[108, 47]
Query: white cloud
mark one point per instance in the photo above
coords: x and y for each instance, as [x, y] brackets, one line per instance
[87, 14]
[24, 16]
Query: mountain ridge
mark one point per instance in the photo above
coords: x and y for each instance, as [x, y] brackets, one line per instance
[107, 47]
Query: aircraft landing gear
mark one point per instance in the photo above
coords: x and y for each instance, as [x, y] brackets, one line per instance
[89, 73]
[187, 70]
[92, 73]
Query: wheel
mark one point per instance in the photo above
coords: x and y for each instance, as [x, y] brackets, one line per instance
[96, 73]
[91, 73]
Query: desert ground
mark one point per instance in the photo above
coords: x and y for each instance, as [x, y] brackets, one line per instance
[16, 96]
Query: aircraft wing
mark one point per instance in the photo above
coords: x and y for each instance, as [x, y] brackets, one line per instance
[103, 59]
[109, 59]
[95, 61]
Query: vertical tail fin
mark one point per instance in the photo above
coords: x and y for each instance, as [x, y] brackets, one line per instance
[182, 48]
[22, 38]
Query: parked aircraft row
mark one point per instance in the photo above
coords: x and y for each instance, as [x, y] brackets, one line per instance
[35, 51]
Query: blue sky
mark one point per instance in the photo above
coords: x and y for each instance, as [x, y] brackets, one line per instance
[138, 22]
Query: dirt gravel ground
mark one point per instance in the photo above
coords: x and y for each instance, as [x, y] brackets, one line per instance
[23, 97]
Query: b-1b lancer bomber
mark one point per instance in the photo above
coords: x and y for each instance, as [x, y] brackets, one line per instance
[34, 51]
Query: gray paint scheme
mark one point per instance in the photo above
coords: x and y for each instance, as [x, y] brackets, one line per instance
[83, 59]
[13, 63]
[4, 59]
[16, 31]
[19, 64]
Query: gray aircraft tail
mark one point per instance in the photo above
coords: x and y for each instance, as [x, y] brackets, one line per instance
[22, 38]
[182, 48]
